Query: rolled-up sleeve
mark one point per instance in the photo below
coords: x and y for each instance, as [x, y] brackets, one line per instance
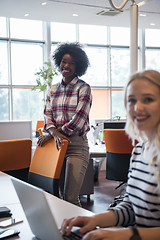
[48, 118]
[124, 212]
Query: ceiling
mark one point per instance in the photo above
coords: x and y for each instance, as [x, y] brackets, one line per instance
[95, 12]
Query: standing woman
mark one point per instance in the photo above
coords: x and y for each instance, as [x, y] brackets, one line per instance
[66, 116]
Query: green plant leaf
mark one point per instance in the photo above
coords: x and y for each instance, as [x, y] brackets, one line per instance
[45, 76]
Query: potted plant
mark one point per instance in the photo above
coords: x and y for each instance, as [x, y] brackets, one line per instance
[45, 77]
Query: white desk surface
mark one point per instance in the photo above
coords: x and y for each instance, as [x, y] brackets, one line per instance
[99, 148]
[60, 208]
[97, 151]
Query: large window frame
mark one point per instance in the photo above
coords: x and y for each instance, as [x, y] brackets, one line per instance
[102, 93]
[8, 87]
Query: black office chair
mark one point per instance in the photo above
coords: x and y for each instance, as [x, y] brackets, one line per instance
[118, 153]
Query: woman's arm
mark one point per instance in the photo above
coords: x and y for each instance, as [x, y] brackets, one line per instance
[106, 219]
[122, 234]
[88, 225]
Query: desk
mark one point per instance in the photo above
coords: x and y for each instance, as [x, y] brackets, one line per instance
[97, 154]
[97, 151]
[60, 208]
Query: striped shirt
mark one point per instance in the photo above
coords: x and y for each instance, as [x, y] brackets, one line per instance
[141, 205]
[68, 107]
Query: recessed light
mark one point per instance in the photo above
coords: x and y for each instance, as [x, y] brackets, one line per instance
[26, 14]
[142, 15]
[44, 3]
[75, 15]
[152, 24]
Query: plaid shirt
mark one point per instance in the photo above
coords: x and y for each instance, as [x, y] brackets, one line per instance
[68, 107]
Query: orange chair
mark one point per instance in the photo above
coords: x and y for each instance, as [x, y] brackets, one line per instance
[46, 165]
[15, 157]
[88, 185]
[118, 153]
[40, 124]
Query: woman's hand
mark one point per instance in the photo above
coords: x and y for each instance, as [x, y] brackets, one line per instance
[109, 234]
[58, 136]
[86, 224]
[43, 139]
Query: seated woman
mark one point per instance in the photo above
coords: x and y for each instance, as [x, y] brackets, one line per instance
[138, 215]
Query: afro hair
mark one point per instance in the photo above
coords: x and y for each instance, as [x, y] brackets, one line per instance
[74, 50]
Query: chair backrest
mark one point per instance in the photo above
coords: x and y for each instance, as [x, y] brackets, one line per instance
[15, 157]
[46, 165]
[117, 141]
[118, 153]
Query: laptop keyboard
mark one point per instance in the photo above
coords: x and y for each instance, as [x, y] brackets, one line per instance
[72, 236]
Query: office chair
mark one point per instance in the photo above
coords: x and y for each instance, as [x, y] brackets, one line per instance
[46, 165]
[15, 157]
[118, 152]
[88, 184]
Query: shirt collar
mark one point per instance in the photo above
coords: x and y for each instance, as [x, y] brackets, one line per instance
[73, 82]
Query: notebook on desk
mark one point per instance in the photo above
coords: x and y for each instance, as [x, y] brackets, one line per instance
[37, 211]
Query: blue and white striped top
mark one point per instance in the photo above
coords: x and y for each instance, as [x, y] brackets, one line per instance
[141, 204]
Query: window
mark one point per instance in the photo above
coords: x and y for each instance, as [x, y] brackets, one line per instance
[152, 48]
[22, 54]
[118, 108]
[3, 28]
[4, 63]
[120, 36]
[97, 72]
[100, 103]
[4, 100]
[26, 29]
[63, 32]
[152, 37]
[153, 59]
[27, 105]
[92, 34]
[120, 66]
[26, 60]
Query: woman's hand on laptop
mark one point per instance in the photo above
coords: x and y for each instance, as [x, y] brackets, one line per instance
[86, 224]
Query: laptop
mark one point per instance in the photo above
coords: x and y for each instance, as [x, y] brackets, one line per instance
[37, 211]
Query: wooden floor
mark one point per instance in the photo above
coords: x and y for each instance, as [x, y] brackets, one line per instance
[104, 193]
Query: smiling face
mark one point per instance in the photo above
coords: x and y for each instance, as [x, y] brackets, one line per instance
[143, 105]
[68, 67]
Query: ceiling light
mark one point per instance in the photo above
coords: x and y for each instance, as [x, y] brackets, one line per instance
[140, 4]
[142, 15]
[26, 14]
[44, 3]
[75, 15]
[152, 24]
